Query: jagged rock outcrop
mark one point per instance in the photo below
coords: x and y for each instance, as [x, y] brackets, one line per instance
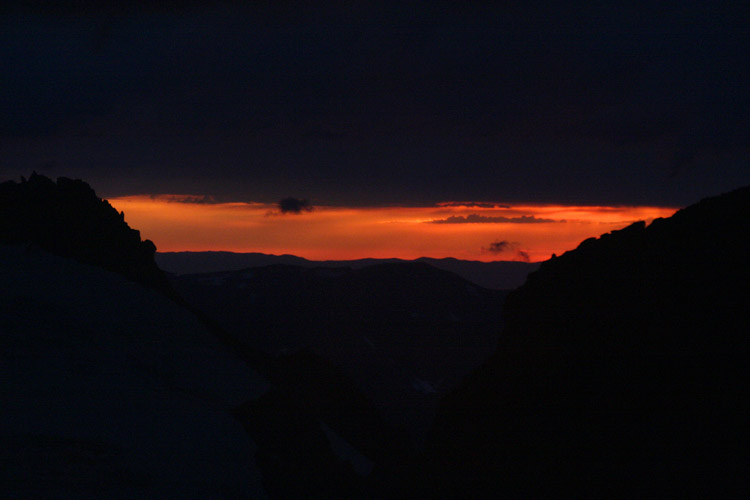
[67, 218]
[622, 371]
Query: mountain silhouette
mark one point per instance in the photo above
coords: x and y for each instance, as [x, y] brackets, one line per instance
[621, 371]
[497, 275]
[68, 219]
[405, 332]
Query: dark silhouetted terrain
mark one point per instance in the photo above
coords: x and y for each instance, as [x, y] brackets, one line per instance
[498, 275]
[66, 218]
[405, 333]
[622, 371]
[110, 390]
[114, 389]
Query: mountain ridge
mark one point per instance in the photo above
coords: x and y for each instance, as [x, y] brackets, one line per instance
[621, 371]
[67, 218]
[498, 275]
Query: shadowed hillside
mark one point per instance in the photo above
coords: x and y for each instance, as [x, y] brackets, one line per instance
[406, 333]
[67, 218]
[622, 371]
[110, 390]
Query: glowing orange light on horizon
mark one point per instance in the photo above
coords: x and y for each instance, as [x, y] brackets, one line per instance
[184, 222]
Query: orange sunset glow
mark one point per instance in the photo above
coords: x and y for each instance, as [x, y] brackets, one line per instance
[462, 230]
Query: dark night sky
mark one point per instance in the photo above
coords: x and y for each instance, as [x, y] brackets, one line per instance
[377, 103]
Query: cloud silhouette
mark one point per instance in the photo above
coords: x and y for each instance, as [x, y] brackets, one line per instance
[294, 206]
[501, 246]
[477, 204]
[505, 246]
[483, 219]
[200, 199]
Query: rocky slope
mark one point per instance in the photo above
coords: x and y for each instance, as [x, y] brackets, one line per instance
[622, 371]
[110, 390]
[67, 218]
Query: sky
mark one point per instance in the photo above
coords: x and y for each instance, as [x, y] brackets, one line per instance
[379, 105]
[461, 230]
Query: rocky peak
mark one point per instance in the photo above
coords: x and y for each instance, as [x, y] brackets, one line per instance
[67, 218]
[621, 371]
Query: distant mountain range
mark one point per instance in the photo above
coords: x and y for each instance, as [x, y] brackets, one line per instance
[498, 275]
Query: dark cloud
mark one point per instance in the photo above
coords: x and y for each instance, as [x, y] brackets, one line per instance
[504, 246]
[294, 206]
[199, 199]
[93, 8]
[477, 204]
[372, 103]
[484, 219]
[501, 246]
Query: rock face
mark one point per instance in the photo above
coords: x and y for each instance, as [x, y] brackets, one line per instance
[111, 390]
[622, 371]
[66, 218]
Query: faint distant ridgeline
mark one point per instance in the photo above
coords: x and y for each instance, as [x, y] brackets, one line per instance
[67, 218]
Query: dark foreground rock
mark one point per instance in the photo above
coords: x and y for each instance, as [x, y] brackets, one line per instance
[67, 218]
[111, 390]
[622, 371]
